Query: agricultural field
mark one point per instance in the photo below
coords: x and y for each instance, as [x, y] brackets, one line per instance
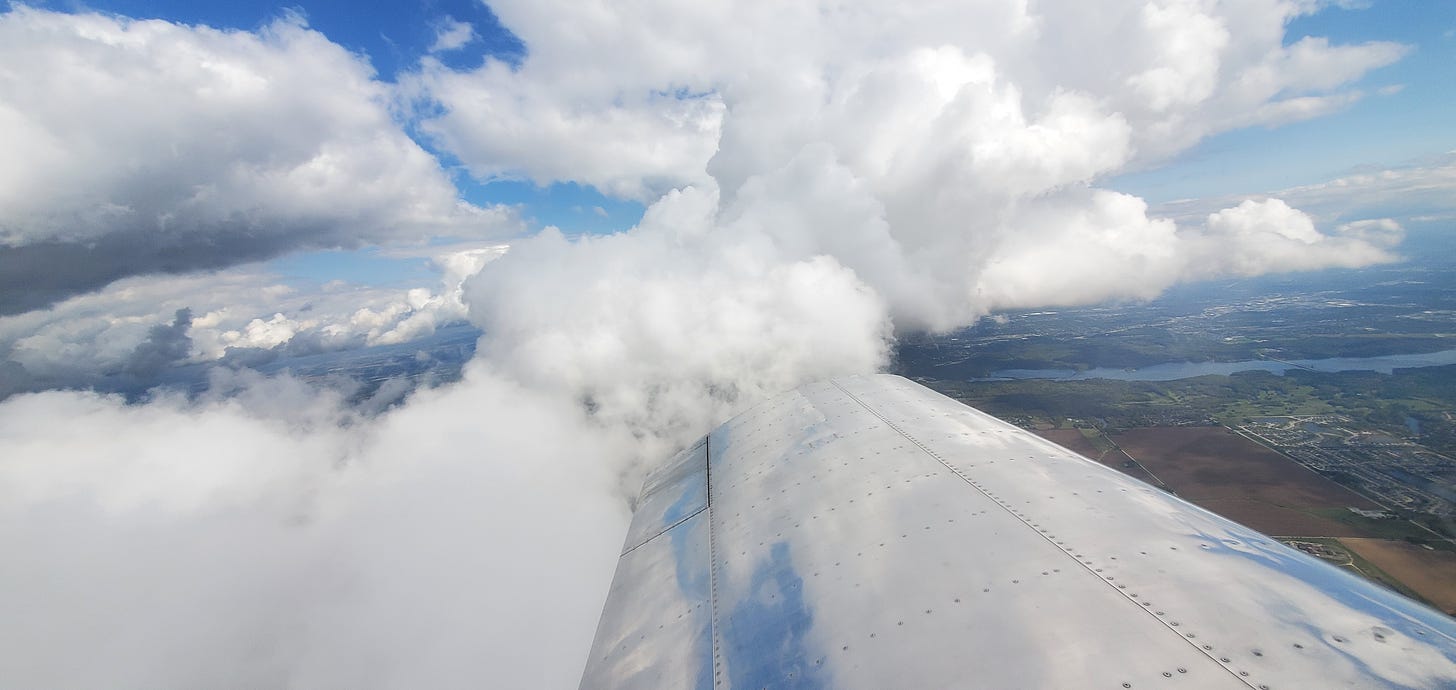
[1095, 445]
[1430, 573]
[1242, 480]
[1251, 484]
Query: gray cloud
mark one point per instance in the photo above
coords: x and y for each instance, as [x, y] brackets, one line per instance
[38, 275]
[165, 345]
[137, 147]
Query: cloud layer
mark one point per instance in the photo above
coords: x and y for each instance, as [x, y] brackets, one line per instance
[212, 543]
[143, 146]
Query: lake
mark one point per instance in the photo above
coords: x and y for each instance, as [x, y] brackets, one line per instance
[1171, 371]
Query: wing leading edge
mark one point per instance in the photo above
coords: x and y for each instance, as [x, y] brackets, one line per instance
[867, 532]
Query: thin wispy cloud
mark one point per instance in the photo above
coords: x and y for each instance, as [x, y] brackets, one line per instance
[1416, 190]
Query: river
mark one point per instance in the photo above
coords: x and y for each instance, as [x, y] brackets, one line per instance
[1170, 371]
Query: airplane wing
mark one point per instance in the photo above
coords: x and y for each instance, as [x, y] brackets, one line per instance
[867, 532]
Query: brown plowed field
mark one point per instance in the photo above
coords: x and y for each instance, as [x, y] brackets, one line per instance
[1072, 440]
[1075, 441]
[1431, 574]
[1242, 480]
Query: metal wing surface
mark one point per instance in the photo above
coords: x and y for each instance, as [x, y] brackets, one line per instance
[867, 532]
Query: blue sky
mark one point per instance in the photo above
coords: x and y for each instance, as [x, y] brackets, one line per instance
[393, 34]
[1379, 130]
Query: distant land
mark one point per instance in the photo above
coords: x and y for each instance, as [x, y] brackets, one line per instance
[362, 373]
[1319, 409]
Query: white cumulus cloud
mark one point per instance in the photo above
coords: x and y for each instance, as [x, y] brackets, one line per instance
[144, 146]
[253, 541]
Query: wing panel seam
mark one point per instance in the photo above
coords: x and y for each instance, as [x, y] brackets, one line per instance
[665, 530]
[713, 627]
[1085, 568]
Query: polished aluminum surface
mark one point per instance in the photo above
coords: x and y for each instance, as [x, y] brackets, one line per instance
[869, 533]
[656, 629]
[670, 495]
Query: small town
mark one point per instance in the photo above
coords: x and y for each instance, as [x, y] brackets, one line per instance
[1395, 472]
